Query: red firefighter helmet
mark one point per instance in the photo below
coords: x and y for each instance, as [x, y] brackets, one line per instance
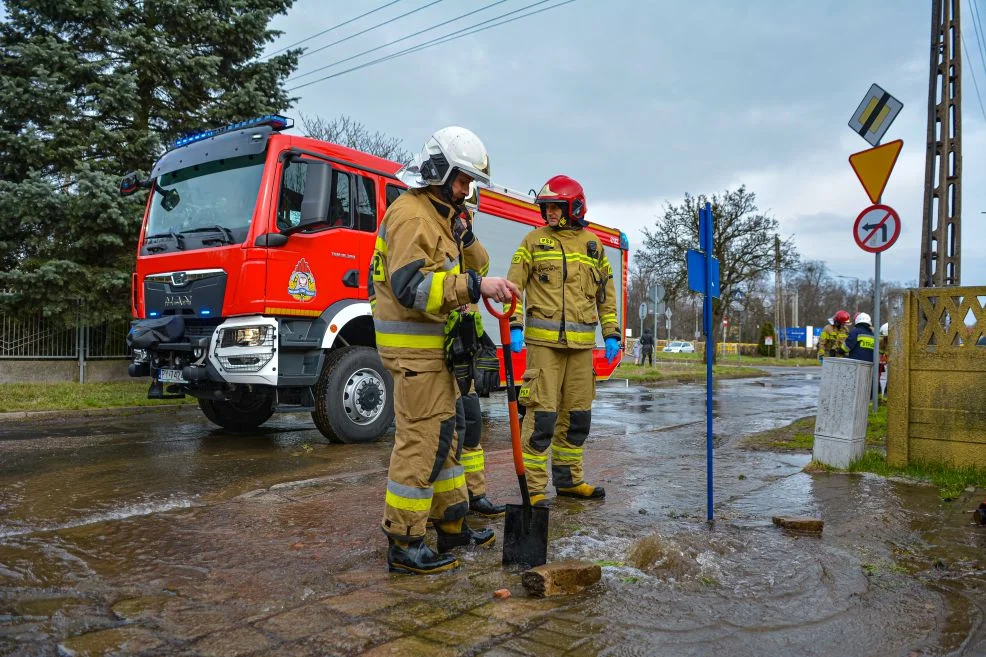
[568, 193]
[841, 317]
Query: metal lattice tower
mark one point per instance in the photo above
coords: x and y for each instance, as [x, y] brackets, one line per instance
[940, 244]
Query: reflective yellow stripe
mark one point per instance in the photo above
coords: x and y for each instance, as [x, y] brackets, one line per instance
[381, 245]
[609, 317]
[485, 269]
[523, 253]
[407, 503]
[445, 485]
[570, 257]
[865, 341]
[410, 341]
[436, 292]
[566, 453]
[546, 334]
[539, 463]
[473, 462]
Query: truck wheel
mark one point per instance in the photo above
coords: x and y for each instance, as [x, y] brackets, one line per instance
[354, 397]
[244, 415]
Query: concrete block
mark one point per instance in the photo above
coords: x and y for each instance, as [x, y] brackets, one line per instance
[561, 578]
[843, 412]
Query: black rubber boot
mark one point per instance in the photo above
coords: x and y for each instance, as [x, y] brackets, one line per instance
[417, 558]
[467, 536]
[481, 506]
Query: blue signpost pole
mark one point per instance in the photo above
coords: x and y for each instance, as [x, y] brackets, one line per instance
[709, 353]
[703, 278]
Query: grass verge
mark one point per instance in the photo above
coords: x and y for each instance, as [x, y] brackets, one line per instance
[76, 396]
[681, 372]
[798, 436]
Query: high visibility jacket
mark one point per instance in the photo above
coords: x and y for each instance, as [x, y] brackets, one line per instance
[831, 340]
[859, 344]
[416, 278]
[568, 288]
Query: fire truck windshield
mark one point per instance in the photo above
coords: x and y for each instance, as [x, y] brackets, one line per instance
[205, 205]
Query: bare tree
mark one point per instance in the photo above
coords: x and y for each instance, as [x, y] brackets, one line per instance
[743, 243]
[347, 131]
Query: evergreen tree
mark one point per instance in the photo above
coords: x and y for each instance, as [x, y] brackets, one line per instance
[92, 89]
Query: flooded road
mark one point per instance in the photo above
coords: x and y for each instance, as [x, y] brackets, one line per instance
[159, 534]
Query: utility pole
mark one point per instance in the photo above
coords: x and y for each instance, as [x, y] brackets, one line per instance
[777, 297]
[941, 231]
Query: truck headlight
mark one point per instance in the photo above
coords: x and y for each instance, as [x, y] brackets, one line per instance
[247, 336]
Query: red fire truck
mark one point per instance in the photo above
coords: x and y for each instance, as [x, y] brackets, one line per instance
[250, 291]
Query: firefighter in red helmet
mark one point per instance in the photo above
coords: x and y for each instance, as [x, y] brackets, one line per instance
[568, 291]
[834, 335]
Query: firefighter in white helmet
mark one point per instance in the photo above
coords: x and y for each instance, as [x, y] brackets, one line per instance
[416, 281]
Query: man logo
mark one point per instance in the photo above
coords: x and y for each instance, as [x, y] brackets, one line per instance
[179, 279]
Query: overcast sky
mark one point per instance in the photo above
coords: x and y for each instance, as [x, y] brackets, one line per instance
[644, 101]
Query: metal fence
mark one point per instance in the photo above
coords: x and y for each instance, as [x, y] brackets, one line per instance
[41, 338]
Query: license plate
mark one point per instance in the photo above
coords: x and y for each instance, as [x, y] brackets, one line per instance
[170, 376]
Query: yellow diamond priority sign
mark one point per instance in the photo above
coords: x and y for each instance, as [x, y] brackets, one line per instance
[873, 167]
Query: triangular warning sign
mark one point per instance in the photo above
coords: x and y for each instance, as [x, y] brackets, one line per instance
[873, 167]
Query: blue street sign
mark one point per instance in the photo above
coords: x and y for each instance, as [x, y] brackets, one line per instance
[817, 331]
[796, 334]
[705, 229]
[696, 273]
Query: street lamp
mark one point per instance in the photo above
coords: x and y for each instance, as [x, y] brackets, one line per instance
[855, 293]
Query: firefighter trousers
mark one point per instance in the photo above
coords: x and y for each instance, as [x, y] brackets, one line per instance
[469, 424]
[425, 479]
[558, 389]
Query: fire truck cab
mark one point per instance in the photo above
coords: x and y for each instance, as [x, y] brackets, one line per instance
[250, 290]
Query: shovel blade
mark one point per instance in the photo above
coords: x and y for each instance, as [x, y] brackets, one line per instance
[525, 535]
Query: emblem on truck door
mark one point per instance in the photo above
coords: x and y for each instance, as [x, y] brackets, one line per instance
[301, 285]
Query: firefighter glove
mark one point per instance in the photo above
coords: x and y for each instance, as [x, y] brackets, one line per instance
[516, 340]
[612, 348]
[486, 367]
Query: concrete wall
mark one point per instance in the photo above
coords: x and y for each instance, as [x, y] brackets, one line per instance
[52, 371]
[937, 377]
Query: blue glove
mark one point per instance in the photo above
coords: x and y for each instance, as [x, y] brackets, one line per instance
[516, 340]
[612, 349]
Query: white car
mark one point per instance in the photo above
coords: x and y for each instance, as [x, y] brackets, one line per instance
[678, 347]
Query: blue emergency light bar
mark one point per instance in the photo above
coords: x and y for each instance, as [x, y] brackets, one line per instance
[275, 121]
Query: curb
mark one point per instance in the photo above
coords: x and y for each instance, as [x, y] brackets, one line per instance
[85, 412]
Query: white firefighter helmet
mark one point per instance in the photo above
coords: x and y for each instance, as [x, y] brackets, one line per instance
[448, 149]
[884, 330]
[863, 318]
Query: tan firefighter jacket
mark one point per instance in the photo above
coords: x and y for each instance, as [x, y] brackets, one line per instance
[568, 288]
[415, 278]
[831, 339]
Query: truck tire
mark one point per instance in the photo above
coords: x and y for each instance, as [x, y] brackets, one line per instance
[244, 415]
[354, 396]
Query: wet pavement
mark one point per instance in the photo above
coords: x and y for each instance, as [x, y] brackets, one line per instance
[157, 534]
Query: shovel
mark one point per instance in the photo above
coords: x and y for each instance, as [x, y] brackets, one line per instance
[525, 529]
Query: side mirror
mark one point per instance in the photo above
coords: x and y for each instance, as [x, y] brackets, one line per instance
[317, 196]
[130, 183]
[318, 193]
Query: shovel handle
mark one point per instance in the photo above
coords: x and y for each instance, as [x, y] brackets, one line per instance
[508, 367]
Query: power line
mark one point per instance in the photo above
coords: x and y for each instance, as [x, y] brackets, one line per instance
[370, 29]
[390, 43]
[334, 27]
[974, 81]
[452, 36]
[980, 35]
